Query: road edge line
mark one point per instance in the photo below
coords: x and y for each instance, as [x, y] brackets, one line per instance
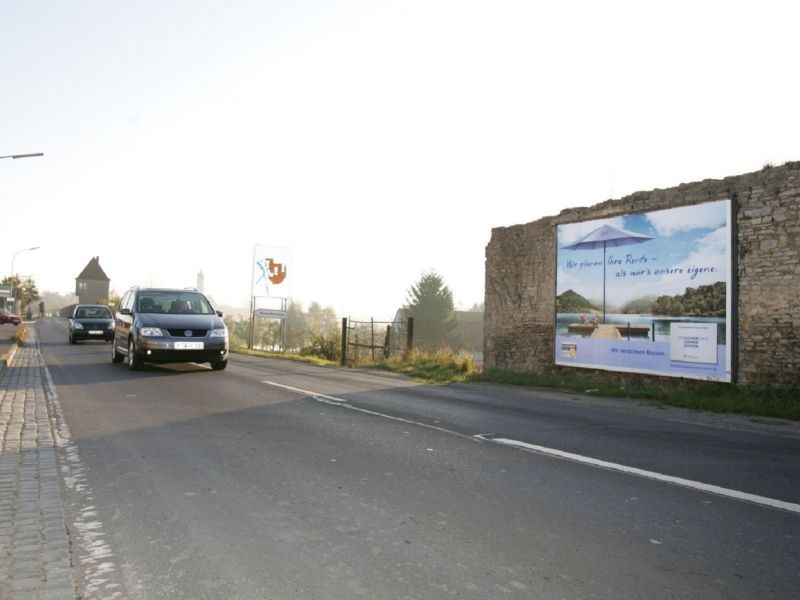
[652, 475]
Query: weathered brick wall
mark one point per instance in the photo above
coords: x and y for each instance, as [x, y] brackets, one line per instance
[519, 326]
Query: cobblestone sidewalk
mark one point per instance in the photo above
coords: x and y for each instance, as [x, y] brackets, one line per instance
[34, 546]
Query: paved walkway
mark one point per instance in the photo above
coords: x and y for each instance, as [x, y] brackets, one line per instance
[34, 546]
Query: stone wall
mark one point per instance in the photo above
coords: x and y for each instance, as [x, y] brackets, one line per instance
[519, 324]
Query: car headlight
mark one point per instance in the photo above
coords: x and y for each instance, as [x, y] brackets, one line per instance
[77, 326]
[223, 333]
[151, 332]
[110, 325]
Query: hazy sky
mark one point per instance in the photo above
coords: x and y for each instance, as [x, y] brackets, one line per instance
[377, 140]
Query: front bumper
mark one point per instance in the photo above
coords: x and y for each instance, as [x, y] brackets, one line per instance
[84, 334]
[163, 350]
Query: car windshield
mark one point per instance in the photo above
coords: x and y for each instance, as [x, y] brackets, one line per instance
[175, 303]
[92, 312]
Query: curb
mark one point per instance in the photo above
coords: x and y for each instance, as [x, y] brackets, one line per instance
[6, 359]
[9, 356]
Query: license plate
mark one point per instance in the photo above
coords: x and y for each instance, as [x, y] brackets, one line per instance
[189, 345]
[95, 332]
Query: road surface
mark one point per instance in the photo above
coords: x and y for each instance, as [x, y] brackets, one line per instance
[276, 479]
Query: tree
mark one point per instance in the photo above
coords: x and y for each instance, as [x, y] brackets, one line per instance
[54, 302]
[321, 321]
[295, 326]
[238, 331]
[24, 293]
[112, 301]
[430, 302]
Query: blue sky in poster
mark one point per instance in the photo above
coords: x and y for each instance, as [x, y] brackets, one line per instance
[690, 248]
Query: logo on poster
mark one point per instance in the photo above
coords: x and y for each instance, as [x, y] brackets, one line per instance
[693, 342]
[271, 271]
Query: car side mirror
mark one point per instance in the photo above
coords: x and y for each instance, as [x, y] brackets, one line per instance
[219, 313]
[126, 312]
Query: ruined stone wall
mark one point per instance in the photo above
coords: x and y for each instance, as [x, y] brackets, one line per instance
[519, 326]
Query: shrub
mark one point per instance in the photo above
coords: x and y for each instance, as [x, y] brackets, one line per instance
[441, 365]
[324, 346]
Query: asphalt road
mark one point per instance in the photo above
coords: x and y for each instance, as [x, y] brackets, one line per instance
[181, 482]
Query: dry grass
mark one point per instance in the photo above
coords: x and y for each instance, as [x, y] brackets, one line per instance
[442, 366]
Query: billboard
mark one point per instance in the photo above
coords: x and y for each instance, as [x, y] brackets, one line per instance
[647, 292]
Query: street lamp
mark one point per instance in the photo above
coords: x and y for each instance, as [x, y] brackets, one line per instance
[16, 156]
[19, 305]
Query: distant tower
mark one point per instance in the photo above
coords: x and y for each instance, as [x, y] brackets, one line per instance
[92, 284]
[201, 284]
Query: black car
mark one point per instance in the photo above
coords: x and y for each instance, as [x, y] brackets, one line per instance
[168, 325]
[90, 322]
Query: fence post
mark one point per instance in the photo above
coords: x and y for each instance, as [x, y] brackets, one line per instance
[372, 341]
[410, 337]
[344, 341]
[387, 341]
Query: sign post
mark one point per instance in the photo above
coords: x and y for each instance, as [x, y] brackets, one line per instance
[270, 288]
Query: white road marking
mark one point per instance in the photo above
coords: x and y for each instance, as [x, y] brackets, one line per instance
[687, 483]
[334, 401]
[87, 537]
[304, 392]
[587, 460]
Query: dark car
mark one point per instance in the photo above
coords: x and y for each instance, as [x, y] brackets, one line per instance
[168, 325]
[91, 322]
[7, 316]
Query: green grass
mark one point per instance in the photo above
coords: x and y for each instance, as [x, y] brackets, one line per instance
[709, 396]
[314, 360]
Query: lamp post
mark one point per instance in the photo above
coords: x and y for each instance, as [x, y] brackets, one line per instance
[13, 281]
[16, 156]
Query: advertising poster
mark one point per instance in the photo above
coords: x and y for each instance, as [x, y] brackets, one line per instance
[647, 292]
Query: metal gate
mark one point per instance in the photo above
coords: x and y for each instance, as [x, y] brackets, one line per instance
[370, 342]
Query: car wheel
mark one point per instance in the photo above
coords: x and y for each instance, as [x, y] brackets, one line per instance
[72, 339]
[116, 357]
[134, 360]
[219, 365]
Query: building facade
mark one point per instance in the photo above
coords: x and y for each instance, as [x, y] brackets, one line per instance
[92, 285]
